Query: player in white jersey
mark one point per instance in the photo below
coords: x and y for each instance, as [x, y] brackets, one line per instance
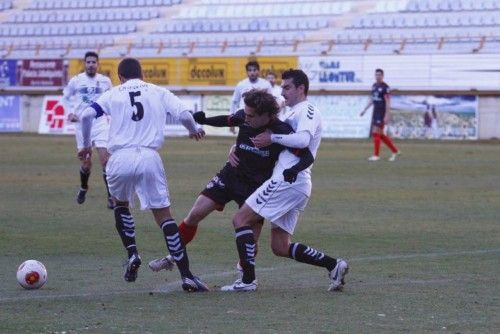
[281, 202]
[275, 89]
[253, 81]
[138, 113]
[81, 91]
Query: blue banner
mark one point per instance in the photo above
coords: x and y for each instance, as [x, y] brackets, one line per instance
[7, 73]
[10, 113]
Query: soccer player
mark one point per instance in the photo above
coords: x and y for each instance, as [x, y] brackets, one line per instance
[255, 165]
[380, 99]
[138, 113]
[275, 89]
[251, 82]
[280, 202]
[85, 88]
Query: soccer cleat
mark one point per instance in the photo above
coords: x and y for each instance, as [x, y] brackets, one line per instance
[80, 197]
[111, 203]
[166, 263]
[374, 158]
[337, 275]
[194, 285]
[238, 286]
[133, 264]
[394, 156]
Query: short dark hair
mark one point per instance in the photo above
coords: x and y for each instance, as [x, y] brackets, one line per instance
[253, 63]
[261, 101]
[91, 54]
[379, 70]
[130, 68]
[298, 77]
[271, 73]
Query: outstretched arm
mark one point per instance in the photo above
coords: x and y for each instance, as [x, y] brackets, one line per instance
[218, 121]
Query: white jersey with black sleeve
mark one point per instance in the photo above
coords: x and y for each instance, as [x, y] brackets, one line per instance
[138, 113]
[237, 101]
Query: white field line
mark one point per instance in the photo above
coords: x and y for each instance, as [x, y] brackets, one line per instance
[175, 285]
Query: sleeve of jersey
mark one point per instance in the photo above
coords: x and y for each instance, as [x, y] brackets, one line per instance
[174, 105]
[307, 121]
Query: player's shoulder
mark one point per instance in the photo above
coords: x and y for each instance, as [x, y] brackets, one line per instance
[102, 77]
[265, 83]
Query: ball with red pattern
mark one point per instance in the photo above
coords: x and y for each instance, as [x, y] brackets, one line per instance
[31, 274]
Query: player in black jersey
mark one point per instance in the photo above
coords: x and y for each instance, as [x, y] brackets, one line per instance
[380, 98]
[255, 165]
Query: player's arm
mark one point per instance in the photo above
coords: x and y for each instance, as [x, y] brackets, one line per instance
[306, 160]
[368, 105]
[235, 100]
[236, 119]
[300, 139]
[175, 107]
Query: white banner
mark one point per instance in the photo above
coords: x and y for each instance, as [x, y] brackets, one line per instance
[340, 115]
[427, 72]
[53, 117]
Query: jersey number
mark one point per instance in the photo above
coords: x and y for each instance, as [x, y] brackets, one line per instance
[138, 114]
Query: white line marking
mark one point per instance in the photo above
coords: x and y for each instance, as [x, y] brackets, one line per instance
[175, 286]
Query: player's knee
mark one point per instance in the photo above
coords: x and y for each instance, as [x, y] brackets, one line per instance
[279, 249]
[193, 218]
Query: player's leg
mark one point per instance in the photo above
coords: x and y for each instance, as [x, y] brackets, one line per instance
[376, 137]
[120, 169]
[85, 167]
[281, 245]
[152, 190]
[243, 222]
[202, 207]
[103, 154]
[388, 142]
[177, 249]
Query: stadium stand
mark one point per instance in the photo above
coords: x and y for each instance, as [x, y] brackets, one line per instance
[214, 27]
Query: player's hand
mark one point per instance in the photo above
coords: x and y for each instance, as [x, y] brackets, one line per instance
[290, 175]
[387, 119]
[197, 135]
[73, 118]
[233, 158]
[232, 129]
[200, 117]
[262, 140]
[362, 114]
[85, 153]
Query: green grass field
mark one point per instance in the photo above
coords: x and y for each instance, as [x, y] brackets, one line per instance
[422, 237]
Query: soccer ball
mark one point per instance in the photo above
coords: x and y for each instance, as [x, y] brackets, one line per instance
[32, 274]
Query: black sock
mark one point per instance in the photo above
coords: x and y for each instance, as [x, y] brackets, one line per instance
[246, 250]
[105, 182]
[306, 254]
[84, 178]
[126, 229]
[176, 247]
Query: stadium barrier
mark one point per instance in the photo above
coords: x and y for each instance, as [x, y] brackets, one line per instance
[435, 96]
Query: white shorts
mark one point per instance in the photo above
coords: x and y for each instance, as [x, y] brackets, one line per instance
[138, 170]
[98, 135]
[280, 202]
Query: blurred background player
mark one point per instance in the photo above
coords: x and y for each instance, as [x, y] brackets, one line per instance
[138, 113]
[255, 165]
[253, 81]
[82, 90]
[380, 99]
[275, 89]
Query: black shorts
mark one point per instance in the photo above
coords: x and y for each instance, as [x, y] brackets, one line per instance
[378, 118]
[226, 186]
